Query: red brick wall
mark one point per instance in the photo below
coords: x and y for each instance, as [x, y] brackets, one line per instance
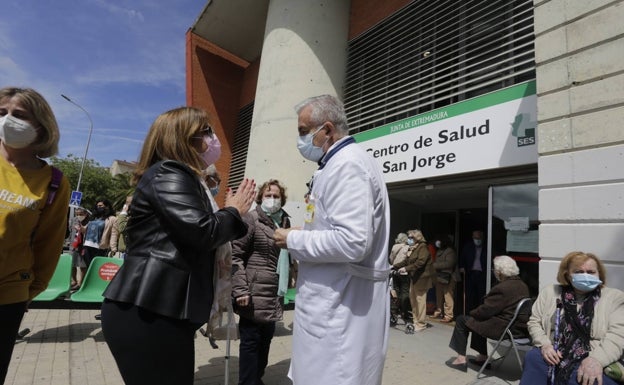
[220, 83]
[250, 81]
[367, 13]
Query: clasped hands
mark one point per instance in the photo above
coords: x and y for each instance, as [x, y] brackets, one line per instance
[588, 373]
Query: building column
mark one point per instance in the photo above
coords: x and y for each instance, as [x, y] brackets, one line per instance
[304, 54]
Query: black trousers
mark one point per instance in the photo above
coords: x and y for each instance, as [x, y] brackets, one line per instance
[10, 319]
[475, 289]
[255, 342]
[149, 348]
[401, 284]
[91, 252]
[459, 340]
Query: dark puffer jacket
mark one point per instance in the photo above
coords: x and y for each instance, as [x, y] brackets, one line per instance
[254, 267]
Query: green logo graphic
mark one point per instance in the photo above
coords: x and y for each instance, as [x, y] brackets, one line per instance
[523, 128]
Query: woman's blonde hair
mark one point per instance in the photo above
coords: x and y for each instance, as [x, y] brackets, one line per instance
[417, 235]
[46, 144]
[171, 137]
[576, 259]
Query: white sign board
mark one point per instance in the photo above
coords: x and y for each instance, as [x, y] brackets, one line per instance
[491, 131]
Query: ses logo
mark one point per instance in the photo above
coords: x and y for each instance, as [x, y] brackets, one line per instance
[523, 128]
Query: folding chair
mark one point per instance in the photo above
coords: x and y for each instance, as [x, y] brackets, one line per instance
[60, 282]
[507, 337]
[99, 274]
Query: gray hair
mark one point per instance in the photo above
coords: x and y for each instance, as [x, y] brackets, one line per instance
[506, 266]
[211, 171]
[401, 238]
[326, 108]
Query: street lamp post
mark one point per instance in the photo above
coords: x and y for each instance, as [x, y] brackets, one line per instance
[84, 158]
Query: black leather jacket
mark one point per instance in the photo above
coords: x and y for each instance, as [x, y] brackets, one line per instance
[172, 235]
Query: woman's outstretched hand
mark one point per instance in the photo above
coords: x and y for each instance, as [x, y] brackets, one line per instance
[243, 197]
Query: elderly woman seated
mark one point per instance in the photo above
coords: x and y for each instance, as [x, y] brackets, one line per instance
[490, 319]
[577, 326]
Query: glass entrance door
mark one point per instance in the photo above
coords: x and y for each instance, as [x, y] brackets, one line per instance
[513, 229]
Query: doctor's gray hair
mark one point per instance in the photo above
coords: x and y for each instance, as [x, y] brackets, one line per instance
[506, 266]
[326, 108]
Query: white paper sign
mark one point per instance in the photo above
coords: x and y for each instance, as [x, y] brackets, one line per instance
[517, 224]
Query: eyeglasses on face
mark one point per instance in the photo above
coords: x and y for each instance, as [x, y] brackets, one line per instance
[208, 131]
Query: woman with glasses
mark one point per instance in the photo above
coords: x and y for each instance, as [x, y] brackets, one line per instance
[164, 291]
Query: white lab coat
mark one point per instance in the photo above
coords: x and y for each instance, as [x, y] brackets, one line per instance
[341, 318]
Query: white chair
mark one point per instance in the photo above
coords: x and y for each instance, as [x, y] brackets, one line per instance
[507, 338]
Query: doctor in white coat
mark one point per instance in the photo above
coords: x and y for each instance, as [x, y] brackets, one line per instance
[342, 310]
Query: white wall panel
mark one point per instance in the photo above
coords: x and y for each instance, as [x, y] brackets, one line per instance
[588, 204]
[582, 167]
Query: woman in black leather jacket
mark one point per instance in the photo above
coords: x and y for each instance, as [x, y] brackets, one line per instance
[164, 290]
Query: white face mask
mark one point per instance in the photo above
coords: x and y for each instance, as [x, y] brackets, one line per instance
[307, 148]
[16, 133]
[271, 205]
[438, 244]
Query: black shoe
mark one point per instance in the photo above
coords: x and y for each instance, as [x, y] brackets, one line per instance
[463, 367]
[474, 361]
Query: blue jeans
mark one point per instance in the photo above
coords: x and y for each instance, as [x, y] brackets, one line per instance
[536, 371]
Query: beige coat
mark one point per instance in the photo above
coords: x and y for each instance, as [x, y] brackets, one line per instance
[607, 330]
[398, 253]
[105, 242]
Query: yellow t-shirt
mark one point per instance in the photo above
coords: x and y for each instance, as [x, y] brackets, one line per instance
[31, 231]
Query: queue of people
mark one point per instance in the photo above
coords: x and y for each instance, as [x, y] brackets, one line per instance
[179, 247]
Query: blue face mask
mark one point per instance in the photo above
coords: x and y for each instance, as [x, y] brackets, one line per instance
[214, 190]
[410, 241]
[307, 148]
[585, 282]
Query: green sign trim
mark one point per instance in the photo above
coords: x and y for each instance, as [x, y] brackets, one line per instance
[497, 97]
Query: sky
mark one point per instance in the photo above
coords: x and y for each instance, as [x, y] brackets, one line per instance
[123, 61]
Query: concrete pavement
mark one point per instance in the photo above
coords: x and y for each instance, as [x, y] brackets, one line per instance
[66, 346]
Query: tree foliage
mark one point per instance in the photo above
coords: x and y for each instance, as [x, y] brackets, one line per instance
[96, 182]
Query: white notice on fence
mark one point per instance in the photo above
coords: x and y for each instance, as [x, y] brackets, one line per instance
[523, 242]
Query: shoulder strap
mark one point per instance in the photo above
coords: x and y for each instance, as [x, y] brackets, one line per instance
[55, 183]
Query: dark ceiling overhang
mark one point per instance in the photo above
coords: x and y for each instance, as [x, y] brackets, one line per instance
[234, 25]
